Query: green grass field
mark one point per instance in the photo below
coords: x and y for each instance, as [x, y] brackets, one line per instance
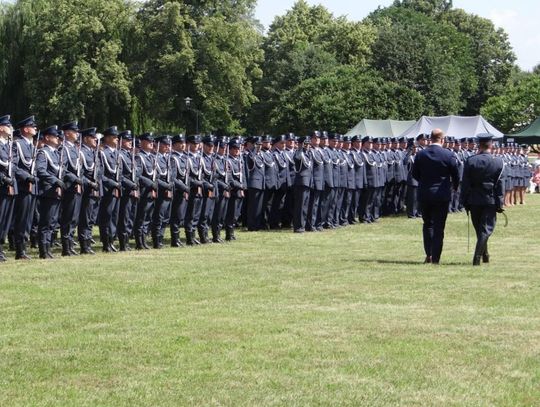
[345, 317]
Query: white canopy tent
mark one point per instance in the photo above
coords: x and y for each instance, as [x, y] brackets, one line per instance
[380, 128]
[453, 126]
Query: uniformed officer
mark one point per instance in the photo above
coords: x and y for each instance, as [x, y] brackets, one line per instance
[164, 178]
[8, 186]
[179, 161]
[367, 199]
[317, 184]
[147, 190]
[49, 168]
[302, 184]
[237, 187]
[193, 210]
[130, 190]
[222, 186]
[208, 188]
[24, 152]
[71, 200]
[256, 185]
[359, 177]
[283, 181]
[91, 175]
[112, 186]
[483, 194]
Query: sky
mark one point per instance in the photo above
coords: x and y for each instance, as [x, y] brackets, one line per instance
[519, 18]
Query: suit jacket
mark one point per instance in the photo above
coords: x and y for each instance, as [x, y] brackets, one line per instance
[436, 170]
[48, 171]
[483, 182]
[22, 153]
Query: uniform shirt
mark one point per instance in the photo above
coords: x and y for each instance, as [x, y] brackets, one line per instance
[483, 182]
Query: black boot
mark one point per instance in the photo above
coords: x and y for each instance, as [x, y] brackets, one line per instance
[42, 251]
[72, 247]
[65, 247]
[33, 240]
[122, 243]
[48, 251]
[476, 260]
[11, 242]
[216, 238]
[112, 247]
[126, 242]
[86, 247]
[175, 240]
[106, 245]
[143, 242]
[20, 252]
[203, 239]
[138, 244]
[228, 233]
[190, 239]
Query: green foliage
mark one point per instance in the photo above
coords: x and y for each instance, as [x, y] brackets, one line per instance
[336, 100]
[134, 63]
[433, 58]
[518, 105]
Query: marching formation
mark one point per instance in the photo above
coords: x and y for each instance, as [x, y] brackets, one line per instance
[64, 180]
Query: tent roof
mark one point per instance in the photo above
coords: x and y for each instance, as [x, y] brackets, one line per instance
[529, 135]
[380, 128]
[453, 126]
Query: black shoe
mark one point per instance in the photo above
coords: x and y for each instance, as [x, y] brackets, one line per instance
[122, 243]
[72, 248]
[203, 239]
[106, 246]
[20, 252]
[48, 250]
[65, 247]
[428, 260]
[143, 242]
[42, 252]
[485, 258]
[476, 260]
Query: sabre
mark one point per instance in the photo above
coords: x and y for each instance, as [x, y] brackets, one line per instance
[468, 232]
[505, 219]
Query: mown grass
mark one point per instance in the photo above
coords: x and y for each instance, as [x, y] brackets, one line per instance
[345, 317]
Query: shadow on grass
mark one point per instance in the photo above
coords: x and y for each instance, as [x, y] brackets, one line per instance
[409, 262]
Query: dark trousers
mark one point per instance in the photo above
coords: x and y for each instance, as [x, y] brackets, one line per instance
[255, 209]
[48, 219]
[145, 208]
[313, 209]
[276, 210]
[377, 202]
[87, 216]
[125, 215]
[345, 206]
[354, 210]
[301, 201]
[483, 219]
[412, 202]
[70, 211]
[6, 213]
[193, 212]
[24, 207]
[288, 208]
[207, 210]
[328, 205]
[366, 204]
[220, 211]
[399, 198]
[160, 216]
[234, 210]
[336, 215]
[434, 215]
[108, 216]
[178, 213]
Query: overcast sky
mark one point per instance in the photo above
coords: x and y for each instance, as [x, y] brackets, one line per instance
[519, 18]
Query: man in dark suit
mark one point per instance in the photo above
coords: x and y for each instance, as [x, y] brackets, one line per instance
[436, 170]
[483, 194]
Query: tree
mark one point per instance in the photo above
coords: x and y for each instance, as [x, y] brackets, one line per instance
[306, 42]
[71, 61]
[433, 58]
[337, 100]
[517, 106]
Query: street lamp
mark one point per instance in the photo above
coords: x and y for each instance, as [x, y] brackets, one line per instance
[188, 101]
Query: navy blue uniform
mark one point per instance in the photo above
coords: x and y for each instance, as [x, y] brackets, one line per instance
[91, 174]
[110, 202]
[302, 184]
[436, 170]
[8, 191]
[147, 196]
[181, 189]
[483, 196]
[237, 184]
[129, 198]
[25, 201]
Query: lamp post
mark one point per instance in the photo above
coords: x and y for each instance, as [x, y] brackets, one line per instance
[188, 101]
